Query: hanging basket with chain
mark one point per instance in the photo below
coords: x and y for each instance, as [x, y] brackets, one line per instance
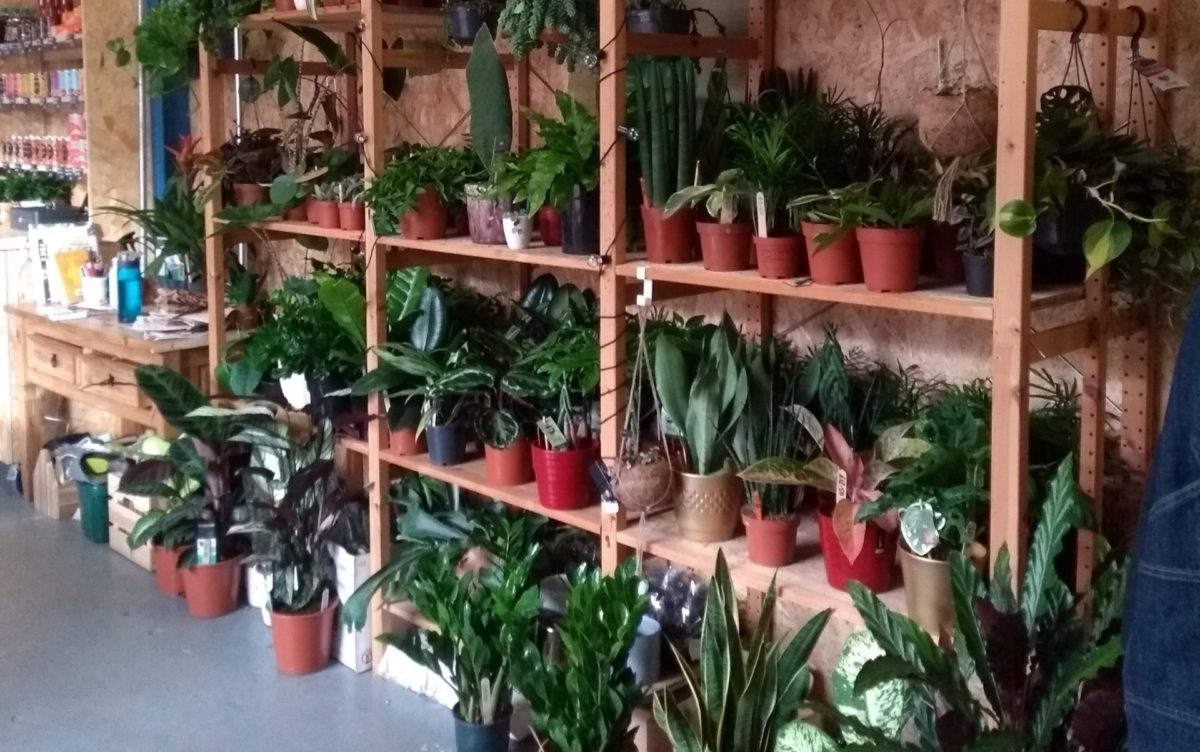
[958, 118]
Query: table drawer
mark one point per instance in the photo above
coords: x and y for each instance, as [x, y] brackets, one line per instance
[111, 379]
[53, 358]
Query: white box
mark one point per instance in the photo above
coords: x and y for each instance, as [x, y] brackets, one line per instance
[352, 647]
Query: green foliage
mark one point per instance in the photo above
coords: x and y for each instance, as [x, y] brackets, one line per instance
[440, 169]
[890, 204]
[664, 92]
[584, 702]
[743, 693]
[569, 156]
[491, 105]
[523, 21]
[724, 199]
[28, 185]
[763, 146]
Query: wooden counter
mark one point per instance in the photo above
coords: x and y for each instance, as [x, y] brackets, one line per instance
[90, 361]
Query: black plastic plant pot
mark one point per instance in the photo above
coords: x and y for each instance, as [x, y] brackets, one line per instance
[980, 272]
[478, 737]
[321, 405]
[581, 223]
[1058, 242]
[464, 22]
[659, 20]
[447, 444]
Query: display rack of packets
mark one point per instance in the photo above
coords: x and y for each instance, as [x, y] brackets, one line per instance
[50, 87]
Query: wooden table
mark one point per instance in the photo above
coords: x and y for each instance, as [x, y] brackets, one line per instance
[91, 361]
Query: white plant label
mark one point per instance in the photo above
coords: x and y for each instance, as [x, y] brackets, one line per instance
[760, 208]
[1160, 76]
[843, 485]
[554, 436]
[295, 390]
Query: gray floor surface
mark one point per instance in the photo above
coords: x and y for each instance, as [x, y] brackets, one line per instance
[93, 659]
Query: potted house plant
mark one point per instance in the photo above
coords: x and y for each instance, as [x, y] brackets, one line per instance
[829, 241]
[505, 448]
[352, 212]
[571, 31]
[417, 190]
[702, 398]
[447, 380]
[250, 160]
[568, 166]
[726, 243]
[322, 205]
[293, 537]
[584, 701]
[659, 17]
[491, 138]
[890, 217]
[761, 685]
[465, 18]
[666, 138]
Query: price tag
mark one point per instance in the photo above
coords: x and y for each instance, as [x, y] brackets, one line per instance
[609, 506]
[554, 436]
[843, 485]
[1160, 76]
[760, 208]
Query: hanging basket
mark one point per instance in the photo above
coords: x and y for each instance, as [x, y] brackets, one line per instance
[958, 125]
[645, 483]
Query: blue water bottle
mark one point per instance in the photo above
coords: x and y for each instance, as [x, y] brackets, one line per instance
[129, 287]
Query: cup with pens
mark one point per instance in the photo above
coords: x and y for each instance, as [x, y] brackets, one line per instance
[94, 284]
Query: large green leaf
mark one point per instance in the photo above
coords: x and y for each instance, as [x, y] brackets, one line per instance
[406, 289]
[346, 304]
[967, 586]
[431, 326]
[329, 49]
[176, 398]
[1061, 511]
[1104, 241]
[491, 106]
[672, 380]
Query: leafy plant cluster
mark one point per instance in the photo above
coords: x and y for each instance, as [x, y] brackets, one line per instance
[28, 185]
[524, 22]
[414, 170]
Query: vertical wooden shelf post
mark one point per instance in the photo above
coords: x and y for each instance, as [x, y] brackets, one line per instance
[212, 128]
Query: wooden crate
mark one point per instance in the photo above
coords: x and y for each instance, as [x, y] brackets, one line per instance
[121, 519]
[52, 498]
[139, 504]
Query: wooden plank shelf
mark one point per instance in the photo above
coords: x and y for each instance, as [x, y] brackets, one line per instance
[283, 227]
[471, 476]
[347, 18]
[930, 298]
[802, 583]
[692, 45]
[536, 255]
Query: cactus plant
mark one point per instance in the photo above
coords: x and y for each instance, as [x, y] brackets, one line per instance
[665, 96]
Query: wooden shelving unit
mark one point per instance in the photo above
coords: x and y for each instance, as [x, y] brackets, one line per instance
[1081, 321]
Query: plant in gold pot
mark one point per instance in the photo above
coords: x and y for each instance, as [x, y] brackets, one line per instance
[703, 397]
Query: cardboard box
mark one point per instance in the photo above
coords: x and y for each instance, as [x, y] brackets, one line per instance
[353, 648]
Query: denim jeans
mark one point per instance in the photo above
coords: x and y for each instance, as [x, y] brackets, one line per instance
[1162, 610]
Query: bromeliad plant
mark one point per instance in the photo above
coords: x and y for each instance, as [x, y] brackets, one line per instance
[745, 692]
[584, 702]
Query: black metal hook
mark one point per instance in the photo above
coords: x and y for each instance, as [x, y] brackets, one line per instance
[1077, 32]
[1136, 40]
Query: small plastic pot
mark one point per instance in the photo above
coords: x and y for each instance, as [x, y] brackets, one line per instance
[510, 466]
[771, 542]
[464, 22]
[249, 194]
[725, 248]
[562, 476]
[837, 263]
[427, 219]
[298, 213]
[212, 590]
[166, 570]
[874, 565]
[980, 272]
[942, 243]
[669, 240]
[518, 231]
[324, 214]
[549, 224]
[659, 20]
[891, 257]
[581, 223]
[352, 216]
[447, 444]
[782, 257]
[303, 642]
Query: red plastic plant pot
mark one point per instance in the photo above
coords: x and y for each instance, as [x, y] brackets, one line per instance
[562, 476]
[874, 565]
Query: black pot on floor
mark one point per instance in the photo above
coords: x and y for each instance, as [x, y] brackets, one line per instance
[659, 20]
[464, 22]
[980, 272]
[581, 223]
[472, 737]
[447, 444]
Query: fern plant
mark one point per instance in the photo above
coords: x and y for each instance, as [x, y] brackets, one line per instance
[523, 22]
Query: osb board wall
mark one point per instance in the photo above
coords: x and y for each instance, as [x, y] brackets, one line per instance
[112, 113]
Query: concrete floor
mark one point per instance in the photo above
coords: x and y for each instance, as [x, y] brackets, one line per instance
[93, 658]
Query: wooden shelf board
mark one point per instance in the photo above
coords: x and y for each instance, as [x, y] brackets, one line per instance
[408, 612]
[357, 446]
[692, 45]
[930, 298]
[471, 476]
[284, 227]
[535, 255]
[346, 18]
[802, 583]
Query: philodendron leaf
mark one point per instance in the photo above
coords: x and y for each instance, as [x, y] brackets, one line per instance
[1017, 218]
[1104, 241]
[329, 49]
[346, 304]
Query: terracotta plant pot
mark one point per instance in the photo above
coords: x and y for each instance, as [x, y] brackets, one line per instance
[980, 275]
[942, 242]
[166, 570]
[549, 224]
[837, 263]
[212, 589]
[927, 592]
[873, 567]
[511, 466]
[891, 258]
[406, 442]
[669, 240]
[324, 214]
[298, 213]
[427, 220]
[285, 5]
[708, 507]
[249, 194]
[725, 248]
[303, 642]
[352, 217]
[771, 542]
[782, 257]
[562, 476]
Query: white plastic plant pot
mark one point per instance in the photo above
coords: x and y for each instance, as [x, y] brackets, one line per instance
[301, 4]
[518, 231]
[258, 586]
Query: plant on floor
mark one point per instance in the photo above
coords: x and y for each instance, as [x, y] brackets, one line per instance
[745, 691]
[442, 170]
[725, 199]
[583, 703]
[569, 156]
[664, 93]
[1049, 681]
[523, 23]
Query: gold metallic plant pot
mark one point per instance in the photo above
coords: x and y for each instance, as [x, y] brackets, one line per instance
[927, 589]
[708, 507]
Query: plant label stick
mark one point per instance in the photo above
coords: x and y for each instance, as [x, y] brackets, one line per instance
[760, 209]
[843, 485]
